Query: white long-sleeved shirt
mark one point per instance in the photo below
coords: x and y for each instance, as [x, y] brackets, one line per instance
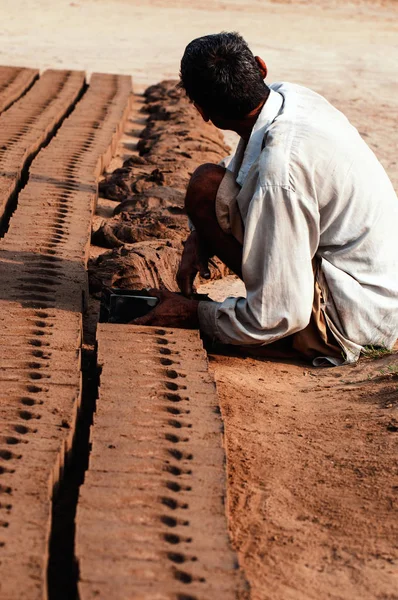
[311, 187]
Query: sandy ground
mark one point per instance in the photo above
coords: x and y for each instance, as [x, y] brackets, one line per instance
[313, 477]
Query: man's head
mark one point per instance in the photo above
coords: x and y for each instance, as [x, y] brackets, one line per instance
[222, 77]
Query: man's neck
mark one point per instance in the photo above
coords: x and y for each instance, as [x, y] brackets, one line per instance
[244, 126]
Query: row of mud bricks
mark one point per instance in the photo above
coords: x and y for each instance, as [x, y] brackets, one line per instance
[151, 513]
[43, 256]
[151, 517]
[156, 478]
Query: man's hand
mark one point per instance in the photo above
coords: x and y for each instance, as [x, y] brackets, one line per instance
[173, 310]
[194, 260]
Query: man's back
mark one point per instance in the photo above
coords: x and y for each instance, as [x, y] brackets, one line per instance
[312, 150]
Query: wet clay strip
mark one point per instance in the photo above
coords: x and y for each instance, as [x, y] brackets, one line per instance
[14, 81]
[42, 269]
[30, 122]
[151, 517]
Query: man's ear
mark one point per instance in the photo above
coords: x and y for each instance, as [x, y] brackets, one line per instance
[203, 114]
[262, 66]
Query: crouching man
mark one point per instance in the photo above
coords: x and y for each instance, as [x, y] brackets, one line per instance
[303, 213]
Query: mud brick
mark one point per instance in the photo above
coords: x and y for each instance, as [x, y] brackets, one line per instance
[36, 115]
[138, 425]
[62, 334]
[44, 361]
[168, 503]
[157, 362]
[14, 81]
[144, 509]
[145, 573]
[182, 453]
[51, 405]
[145, 446]
[147, 410]
[22, 432]
[104, 591]
[34, 468]
[28, 587]
[148, 466]
[160, 382]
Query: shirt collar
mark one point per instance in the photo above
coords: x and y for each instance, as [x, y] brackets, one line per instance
[268, 114]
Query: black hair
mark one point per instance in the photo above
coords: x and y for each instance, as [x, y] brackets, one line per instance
[219, 73]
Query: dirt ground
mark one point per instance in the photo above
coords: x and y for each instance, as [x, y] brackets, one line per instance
[312, 454]
[312, 477]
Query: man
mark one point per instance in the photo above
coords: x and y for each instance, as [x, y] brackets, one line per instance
[304, 213]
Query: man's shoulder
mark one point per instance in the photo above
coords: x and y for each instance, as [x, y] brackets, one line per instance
[287, 88]
[302, 126]
[301, 101]
[306, 117]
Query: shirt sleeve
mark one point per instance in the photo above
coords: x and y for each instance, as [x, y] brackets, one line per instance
[281, 238]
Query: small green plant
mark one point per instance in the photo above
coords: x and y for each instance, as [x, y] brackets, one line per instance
[376, 351]
[390, 370]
